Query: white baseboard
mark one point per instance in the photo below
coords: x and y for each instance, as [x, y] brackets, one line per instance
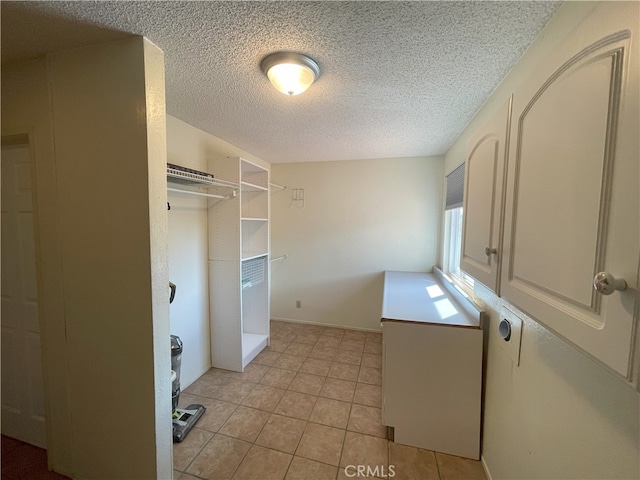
[485, 468]
[319, 324]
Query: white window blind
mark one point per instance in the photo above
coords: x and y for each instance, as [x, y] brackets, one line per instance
[455, 188]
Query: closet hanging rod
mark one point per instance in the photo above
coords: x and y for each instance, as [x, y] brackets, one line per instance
[281, 257]
[277, 186]
[189, 192]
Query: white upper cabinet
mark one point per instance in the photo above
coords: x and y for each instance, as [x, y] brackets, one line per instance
[573, 193]
[483, 205]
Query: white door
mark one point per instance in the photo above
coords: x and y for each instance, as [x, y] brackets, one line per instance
[22, 386]
[573, 196]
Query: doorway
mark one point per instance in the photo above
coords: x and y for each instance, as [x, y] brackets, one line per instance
[23, 412]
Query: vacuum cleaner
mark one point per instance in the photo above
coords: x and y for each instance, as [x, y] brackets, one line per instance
[183, 418]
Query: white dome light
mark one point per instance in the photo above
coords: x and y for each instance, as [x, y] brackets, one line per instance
[291, 73]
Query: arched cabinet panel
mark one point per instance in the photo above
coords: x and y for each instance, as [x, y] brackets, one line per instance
[483, 199]
[573, 201]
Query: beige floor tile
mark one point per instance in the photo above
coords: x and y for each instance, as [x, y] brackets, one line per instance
[304, 469]
[252, 373]
[368, 395]
[307, 337]
[184, 476]
[281, 433]
[277, 377]
[275, 324]
[296, 405]
[333, 413]
[372, 360]
[289, 362]
[333, 332]
[344, 371]
[316, 366]
[355, 345]
[413, 463]
[338, 389]
[455, 468]
[245, 423]
[373, 348]
[185, 451]
[263, 464]
[285, 335]
[206, 385]
[370, 375]
[354, 335]
[218, 372]
[314, 329]
[267, 358]
[234, 391]
[277, 345]
[264, 397]
[187, 399]
[367, 420]
[329, 341]
[300, 349]
[219, 458]
[323, 353]
[374, 338]
[307, 383]
[365, 450]
[321, 443]
[348, 356]
[217, 412]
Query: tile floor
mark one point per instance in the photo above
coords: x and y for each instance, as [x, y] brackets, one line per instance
[306, 408]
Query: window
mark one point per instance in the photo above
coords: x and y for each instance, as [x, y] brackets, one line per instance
[453, 247]
[453, 229]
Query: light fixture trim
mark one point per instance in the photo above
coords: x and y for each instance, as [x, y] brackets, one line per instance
[290, 58]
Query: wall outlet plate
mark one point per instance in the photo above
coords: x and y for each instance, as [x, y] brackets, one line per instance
[509, 333]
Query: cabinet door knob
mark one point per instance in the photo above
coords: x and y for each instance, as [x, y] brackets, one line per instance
[606, 284]
[489, 251]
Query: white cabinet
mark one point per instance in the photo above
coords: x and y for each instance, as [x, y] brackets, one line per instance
[239, 266]
[483, 199]
[432, 365]
[572, 201]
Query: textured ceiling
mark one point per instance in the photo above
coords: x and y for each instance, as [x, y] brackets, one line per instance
[398, 79]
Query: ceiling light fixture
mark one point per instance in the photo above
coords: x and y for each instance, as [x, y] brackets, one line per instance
[291, 73]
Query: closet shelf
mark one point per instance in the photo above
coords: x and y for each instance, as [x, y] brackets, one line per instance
[199, 179]
[254, 219]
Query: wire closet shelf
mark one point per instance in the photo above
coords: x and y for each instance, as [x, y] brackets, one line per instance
[199, 179]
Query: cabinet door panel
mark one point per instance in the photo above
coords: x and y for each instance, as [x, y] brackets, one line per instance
[562, 144]
[573, 201]
[484, 179]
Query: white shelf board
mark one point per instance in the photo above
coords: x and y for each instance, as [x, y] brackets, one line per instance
[252, 345]
[254, 219]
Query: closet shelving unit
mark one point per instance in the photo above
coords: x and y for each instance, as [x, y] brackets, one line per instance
[239, 265]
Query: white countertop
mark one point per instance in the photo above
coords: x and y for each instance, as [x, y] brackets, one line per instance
[419, 298]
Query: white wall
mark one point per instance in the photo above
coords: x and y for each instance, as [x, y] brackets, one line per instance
[188, 245]
[100, 187]
[559, 414]
[360, 218]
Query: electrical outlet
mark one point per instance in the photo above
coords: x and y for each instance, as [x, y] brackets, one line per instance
[298, 303]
